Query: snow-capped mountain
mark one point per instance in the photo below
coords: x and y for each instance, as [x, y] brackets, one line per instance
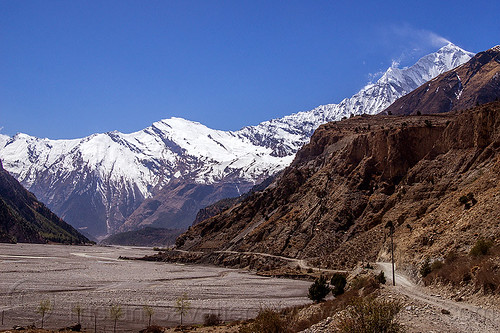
[286, 135]
[98, 182]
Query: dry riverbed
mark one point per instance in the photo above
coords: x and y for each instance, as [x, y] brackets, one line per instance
[94, 278]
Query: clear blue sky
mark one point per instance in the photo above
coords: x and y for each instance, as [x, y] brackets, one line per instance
[72, 68]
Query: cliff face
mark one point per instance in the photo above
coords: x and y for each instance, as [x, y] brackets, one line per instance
[475, 82]
[332, 203]
[24, 219]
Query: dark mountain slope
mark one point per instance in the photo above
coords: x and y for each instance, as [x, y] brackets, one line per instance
[354, 176]
[24, 219]
[475, 82]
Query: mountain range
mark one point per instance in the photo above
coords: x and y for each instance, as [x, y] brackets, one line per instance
[434, 177]
[162, 175]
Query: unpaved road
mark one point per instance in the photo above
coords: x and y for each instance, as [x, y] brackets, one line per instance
[425, 312]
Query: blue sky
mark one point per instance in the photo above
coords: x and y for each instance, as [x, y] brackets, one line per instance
[72, 68]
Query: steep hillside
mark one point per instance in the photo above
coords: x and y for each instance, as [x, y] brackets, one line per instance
[24, 219]
[144, 237]
[164, 174]
[475, 82]
[332, 203]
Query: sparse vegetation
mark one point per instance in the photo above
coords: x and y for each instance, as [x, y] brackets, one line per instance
[149, 312]
[78, 310]
[319, 289]
[479, 273]
[370, 315]
[425, 268]
[338, 283]
[182, 306]
[43, 308]
[267, 321]
[211, 319]
[468, 200]
[381, 278]
[481, 247]
[115, 313]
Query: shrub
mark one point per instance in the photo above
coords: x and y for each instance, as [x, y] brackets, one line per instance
[481, 247]
[267, 321]
[381, 278]
[211, 319]
[368, 283]
[338, 283]
[436, 264]
[487, 280]
[370, 315]
[319, 289]
[153, 329]
[425, 268]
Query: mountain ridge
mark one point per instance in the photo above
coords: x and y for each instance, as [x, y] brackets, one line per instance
[106, 177]
[24, 219]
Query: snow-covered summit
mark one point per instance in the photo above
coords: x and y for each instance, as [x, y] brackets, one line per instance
[104, 177]
[291, 132]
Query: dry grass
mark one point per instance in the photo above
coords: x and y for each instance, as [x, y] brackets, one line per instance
[479, 270]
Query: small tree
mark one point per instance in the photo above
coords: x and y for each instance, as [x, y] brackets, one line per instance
[338, 283]
[78, 310]
[116, 313]
[319, 289]
[381, 278]
[425, 269]
[182, 305]
[149, 311]
[43, 308]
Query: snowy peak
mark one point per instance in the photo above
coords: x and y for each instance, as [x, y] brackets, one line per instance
[97, 182]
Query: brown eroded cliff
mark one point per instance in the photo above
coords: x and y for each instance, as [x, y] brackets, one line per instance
[331, 205]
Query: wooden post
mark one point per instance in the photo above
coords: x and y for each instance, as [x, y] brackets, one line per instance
[392, 256]
[390, 225]
[2, 316]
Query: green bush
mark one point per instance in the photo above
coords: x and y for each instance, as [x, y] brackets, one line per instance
[338, 283]
[319, 289]
[370, 315]
[481, 247]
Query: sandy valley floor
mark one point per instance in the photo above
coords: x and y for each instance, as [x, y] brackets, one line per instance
[94, 278]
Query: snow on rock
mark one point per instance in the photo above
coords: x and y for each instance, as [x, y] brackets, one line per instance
[112, 173]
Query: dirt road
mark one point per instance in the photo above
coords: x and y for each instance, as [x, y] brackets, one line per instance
[424, 311]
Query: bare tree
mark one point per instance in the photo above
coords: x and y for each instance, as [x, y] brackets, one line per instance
[182, 305]
[116, 313]
[43, 308]
[149, 311]
[78, 310]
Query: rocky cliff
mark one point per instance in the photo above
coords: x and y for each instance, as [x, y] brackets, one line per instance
[331, 205]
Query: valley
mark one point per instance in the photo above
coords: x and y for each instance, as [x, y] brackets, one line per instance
[94, 278]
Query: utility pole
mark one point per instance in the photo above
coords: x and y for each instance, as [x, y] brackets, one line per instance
[390, 225]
